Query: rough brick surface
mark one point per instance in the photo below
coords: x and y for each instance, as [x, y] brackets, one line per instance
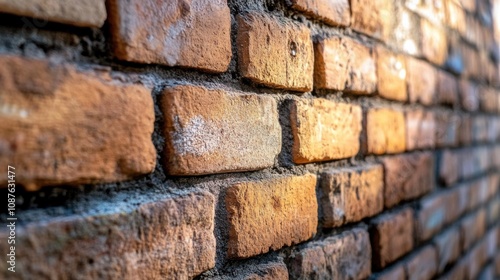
[372, 17]
[286, 62]
[386, 131]
[395, 273]
[172, 239]
[90, 13]
[324, 130]
[344, 256]
[391, 236]
[423, 265]
[449, 167]
[447, 124]
[448, 247]
[175, 33]
[269, 214]
[420, 129]
[435, 212]
[349, 195]
[336, 12]
[391, 75]
[473, 228]
[57, 128]
[421, 79]
[469, 95]
[434, 46]
[447, 89]
[239, 132]
[266, 269]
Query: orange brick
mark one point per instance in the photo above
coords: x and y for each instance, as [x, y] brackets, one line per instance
[421, 79]
[90, 13]
[336, 12]
[239, 132]
[324, 130]
[420, 129]
[175, 33]
[433, 10]
[423, 265]
[344, 64]
[455, 15]
[372, 17]
[391, 75]
[405, 30]
[269, 214]
[434, 45]
[286, 61]
[351, 194]
[386, 131]
[55, 120]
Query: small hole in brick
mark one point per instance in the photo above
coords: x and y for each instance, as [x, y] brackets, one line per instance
[293, 49]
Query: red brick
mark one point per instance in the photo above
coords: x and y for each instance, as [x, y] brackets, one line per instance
[422, 265]
[269, 214]
[434, 45]
[473, 228]
[173, 236]
[336, 12]
[175, 33]
[372, 18]
[449, 167]
[488, 99]
[447, 124]
[286, 61]
[55, 120]
[351, 194]
[448, 247]
[469, 95]
[238, 133]
[420, 129]
[386, 131]
[324, 130]
[344, 64]
[80, 13]
[344, 256]
[407, 177]
[421, 79]
[447, 89]
[391, 237]
[391, 73]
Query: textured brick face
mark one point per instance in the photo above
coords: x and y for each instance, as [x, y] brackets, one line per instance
[423, 265]
[239, 132]
[286, 61]
[51, 116]
[420, 129]
[324, 130]
[333, 12]
[175, 33]
[448, 247]
[434, 45]
[270, 214]
[391, 73]
[349, 195]
[385, 131]
[421, 80]
[372, 17]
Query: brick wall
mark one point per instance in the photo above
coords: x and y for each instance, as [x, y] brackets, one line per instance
[214, 139]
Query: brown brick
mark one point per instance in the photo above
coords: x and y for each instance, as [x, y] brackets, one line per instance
[480, 129]
[474, 261]
[435, 212]
[469, 95]
[175, 33]
[261, 269]
[372, 17]
[448, 247]
[55, 120]
[90, 13]
[286, 61]
[351, 194]
[488, 99]
[434, 45]
[386, 131]
[407, 177]
[447, 124]
[423, 265]
[239, 132]
[344, 256]
[394, 273]
[497, 264]
[465, 129]
[449, 167]
[432, 10]
[494, 211]
[344, 64]
[336, 12]
[324, 130]
[391, 75]
[473, 228]
[283, 211]
[405, 30]
[478, 192]
[455, 15]
[469, 5]
[447, 89]
[391, 237]
[421, 79]
[420, 129]
[171, 238]
[457, 272]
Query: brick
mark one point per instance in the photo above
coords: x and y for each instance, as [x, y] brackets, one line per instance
[344, 64]
[386, 131]
[172, 237]
[420, 129]
[351, 194]
[261, 269]
[448, 248]
[457, 272]
[490, 242]
[372, 18]
[475, 260]
[469, 5]
[391, 237]
[473, 228]
[455, 16]
[478, 193]
[238, 133]
[421, 79]
[434, 44]
[90, 13]
[432, 10]
[497, 264]
[436, 212]
[394, 273]
[449, 167]
[447, 124]
[283, 211]
[391, 75]
[324, 130]
[493, 211]
[55, 120]
[423, 265]
[480, 129]
[192, 34]
[405, 30]
[344, 256]
[447, 89]
[465, 129]
[407, 177]
[488, 99]
[336, 12]
[488, 273]
[469, 95]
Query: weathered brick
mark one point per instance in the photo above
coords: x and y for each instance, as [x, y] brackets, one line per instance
[488, 99]
[448, 247]
[351, 194]
[435, 212]
[391, 237]
[447, 89]
[336, 12]
[394, 273]
[286, 61]
[449, 167]
[447, 124]
[469, 95]
[434, 45]
[239, 132]
[420, 129]
[494, 211]
[90, 13]
[455, 15]
[422, 265]
[259, 269]
[474, 261]
[171, 238]
[480, 129]
[324, 130]
[386, 131]
[55, 120]
[372, 18]
[407, 176]
[421, 79]
[391, 75]
[175, 33]
[282, 211]
[344, 64]
[457, 272]
[432, 10]
[344, 256]
[478, 192]
[405, 30]
[465, 129]
[473, 228]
